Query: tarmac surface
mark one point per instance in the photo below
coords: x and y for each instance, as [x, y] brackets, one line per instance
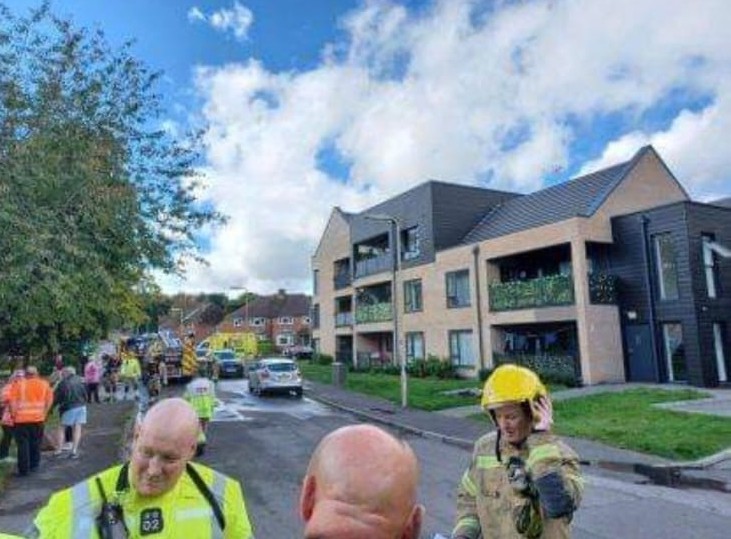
[110, 426]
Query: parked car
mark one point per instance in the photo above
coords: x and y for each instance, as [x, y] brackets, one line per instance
[229, 365]
[299, 351]
[275, 375]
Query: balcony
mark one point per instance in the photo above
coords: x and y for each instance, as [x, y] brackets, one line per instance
[378, 312]
[551, 291]
[343, 319]
[602, 289]
[370, 266]
[342, 280]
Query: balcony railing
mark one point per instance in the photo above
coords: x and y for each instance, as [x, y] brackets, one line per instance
[551, 291]
[373, 360]
[378, 312]
[561, 367]
[342, 280]
[369, 266]
[344, 356]
[343, 319]
[602, 289]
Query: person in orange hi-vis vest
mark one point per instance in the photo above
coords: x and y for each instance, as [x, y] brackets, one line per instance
[30, 400]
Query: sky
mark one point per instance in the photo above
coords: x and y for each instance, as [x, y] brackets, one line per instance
[321, 103]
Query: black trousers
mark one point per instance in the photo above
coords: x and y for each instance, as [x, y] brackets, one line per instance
[5, 442]
[92, 392]
[28, 437]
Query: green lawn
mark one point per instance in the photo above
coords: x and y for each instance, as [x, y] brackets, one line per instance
[628, 420]
[424, 393]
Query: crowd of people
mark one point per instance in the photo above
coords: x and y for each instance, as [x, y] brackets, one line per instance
[361, 481]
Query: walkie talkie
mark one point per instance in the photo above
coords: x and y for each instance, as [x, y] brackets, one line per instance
[110, 521]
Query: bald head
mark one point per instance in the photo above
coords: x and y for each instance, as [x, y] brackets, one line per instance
[164, 443]
[361, 482]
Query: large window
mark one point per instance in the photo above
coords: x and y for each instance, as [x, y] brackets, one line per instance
[315, 282]
[461, 349]
[414, 346]
[410, 243]
[674, 352]
[412, 296]
[458, 289]
[667, 266]
[709, 263]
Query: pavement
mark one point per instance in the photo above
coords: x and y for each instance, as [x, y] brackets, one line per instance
[454, 427]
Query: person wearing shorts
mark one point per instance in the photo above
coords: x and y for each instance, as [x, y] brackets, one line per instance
[70, 397]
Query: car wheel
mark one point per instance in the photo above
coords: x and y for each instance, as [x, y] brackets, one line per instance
[298, 392]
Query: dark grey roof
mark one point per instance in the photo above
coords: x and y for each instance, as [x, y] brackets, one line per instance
[578, 197]
[725, 202]
[274, 306]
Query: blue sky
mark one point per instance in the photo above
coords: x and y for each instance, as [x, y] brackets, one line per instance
[317, 103]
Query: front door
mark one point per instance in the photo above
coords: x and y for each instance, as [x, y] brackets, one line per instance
[638, 343]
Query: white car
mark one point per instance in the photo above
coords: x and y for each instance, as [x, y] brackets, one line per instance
[275, 375]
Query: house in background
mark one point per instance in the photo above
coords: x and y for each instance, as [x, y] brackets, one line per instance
[558, 276]
[281, 318]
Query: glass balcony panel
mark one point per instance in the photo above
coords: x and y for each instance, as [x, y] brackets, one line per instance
[551, 291]
[378, 312]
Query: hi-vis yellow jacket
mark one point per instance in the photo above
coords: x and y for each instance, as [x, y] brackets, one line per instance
[488, 504]
[181, 512]
[201, 394]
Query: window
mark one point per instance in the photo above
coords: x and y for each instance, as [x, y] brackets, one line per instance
[412, 296]
[238, 322]
[709, 263]
[458, 289]
[414, 346]
[410, 243]
[316, 316]
[718, 333]
[674, 352]
[315, 282]
[460, 348]
[667, 266]
[285, 339]
[286, 320]
[258, 321]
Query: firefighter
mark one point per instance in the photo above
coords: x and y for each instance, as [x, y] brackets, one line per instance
[522, 481]
[130, 371]
[201, 394]
[158, 493]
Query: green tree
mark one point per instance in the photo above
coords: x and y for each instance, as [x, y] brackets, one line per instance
[93, 194]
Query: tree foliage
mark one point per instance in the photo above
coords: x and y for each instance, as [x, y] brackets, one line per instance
[93, 194]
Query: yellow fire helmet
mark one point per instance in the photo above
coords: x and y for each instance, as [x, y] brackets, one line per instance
[511, 383]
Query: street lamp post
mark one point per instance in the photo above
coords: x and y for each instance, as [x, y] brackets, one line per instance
[400, 358]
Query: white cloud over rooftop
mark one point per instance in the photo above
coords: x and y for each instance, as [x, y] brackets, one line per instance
[466, 91]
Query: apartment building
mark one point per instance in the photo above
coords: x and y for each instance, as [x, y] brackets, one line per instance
[477, 277]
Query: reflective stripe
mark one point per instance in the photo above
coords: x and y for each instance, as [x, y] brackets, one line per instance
[468, 484]
[219, 491]
[469, 522]
[576, 478]
[484, 462]
[82, 524]
[542, 452]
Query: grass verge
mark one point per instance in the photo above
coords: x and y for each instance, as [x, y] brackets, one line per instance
[424, 393]
[629, 420]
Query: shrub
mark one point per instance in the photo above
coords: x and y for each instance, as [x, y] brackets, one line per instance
[484, 373]
[324, 359]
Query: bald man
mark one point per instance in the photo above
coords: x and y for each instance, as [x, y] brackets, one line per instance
[158, 493]
[361, 484]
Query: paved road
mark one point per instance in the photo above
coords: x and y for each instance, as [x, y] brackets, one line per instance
[266, 442]
[277, 435]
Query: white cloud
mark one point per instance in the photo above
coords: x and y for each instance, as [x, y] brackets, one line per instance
[462, 91]
[238, 19]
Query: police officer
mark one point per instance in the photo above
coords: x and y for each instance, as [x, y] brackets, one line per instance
[522, 481]
[158, 493]
[201, 394]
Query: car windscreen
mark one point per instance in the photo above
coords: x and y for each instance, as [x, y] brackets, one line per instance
[225, 356]
[281, 367]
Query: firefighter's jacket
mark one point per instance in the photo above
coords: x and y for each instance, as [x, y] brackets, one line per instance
[487, 503]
